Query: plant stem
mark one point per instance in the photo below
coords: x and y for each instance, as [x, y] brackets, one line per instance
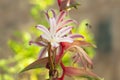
[54, 57]
[51, 72]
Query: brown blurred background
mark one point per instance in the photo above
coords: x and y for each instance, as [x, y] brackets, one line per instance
[105, 20]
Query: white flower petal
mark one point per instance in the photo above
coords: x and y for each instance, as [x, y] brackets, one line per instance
[58, 32]
[52, 26]
[46, 36]
[54, 44]
[43, 29]
[65, 39]
[65, 23]
[63, 31]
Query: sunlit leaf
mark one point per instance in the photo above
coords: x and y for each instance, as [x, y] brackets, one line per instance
[66, 59]
[85, 30]
[7, 77]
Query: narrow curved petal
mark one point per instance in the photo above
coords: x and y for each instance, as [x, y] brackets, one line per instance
[65, 23]
[75, 36]
[37, 43]
[46, 36]
[82, 60]
[64, 31]
[43, 29]
[42, 52]
[61, 16]
[47, 16]
[76, 58]
[86, 57]
[83, 55]
[81, 43]
[52, 26]
[53, 12]
[65, 39]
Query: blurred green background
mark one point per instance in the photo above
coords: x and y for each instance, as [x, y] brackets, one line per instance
[18, 18]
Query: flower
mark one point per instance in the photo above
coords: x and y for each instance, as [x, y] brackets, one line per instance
[58, 32]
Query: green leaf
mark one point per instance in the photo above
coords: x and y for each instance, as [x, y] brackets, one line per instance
[84, 29]
[39, 63]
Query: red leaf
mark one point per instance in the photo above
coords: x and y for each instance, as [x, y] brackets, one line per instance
[36, 64]
[71, 71]
[86, 57]
[82, 43]
[67, 45]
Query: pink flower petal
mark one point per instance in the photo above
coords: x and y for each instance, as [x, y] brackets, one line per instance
[61, 16]
[53, 12]
[47, 16]
[75, 36]
[37, 43]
